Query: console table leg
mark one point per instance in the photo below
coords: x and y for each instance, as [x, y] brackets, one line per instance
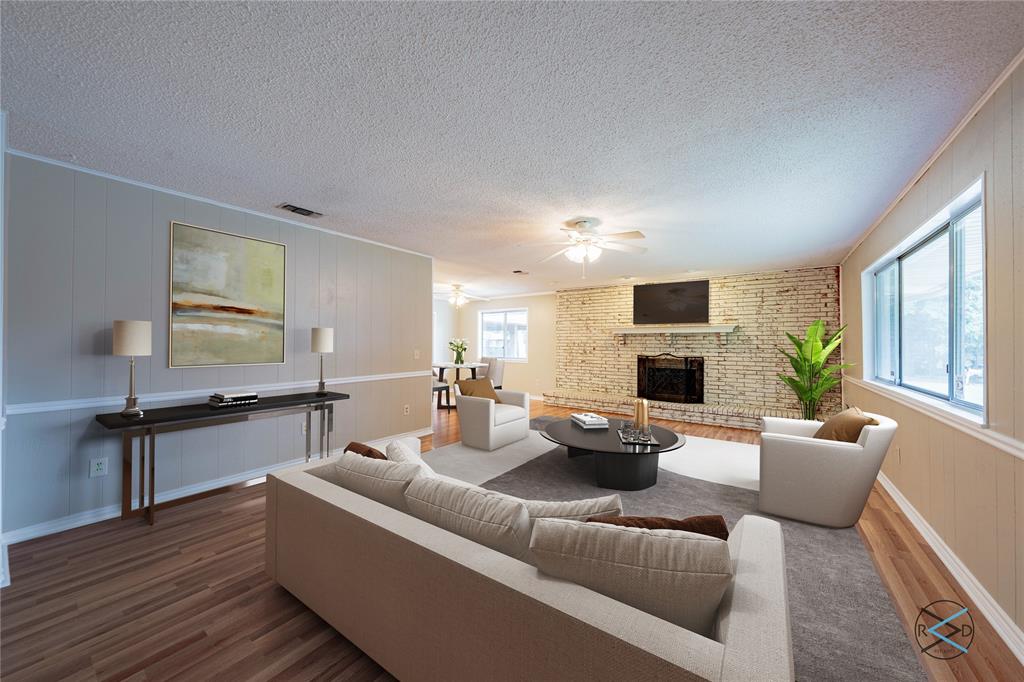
[142, 471]
[309, 434]
[330, 426]
[152, 477]
[323, 431]
[126, 474]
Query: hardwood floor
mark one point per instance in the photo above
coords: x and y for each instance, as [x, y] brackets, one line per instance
[188, 599]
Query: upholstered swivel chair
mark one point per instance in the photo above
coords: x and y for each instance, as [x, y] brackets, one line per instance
[487, 425]
[825, 482]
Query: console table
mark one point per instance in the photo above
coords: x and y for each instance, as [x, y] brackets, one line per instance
[197, 416]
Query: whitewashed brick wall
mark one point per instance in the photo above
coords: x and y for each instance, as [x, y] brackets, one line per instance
[739, 370]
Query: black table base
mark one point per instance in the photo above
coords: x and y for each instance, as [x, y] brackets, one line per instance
[626, 472]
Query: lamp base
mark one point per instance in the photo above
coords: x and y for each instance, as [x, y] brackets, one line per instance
[321, 388]
[131, 408]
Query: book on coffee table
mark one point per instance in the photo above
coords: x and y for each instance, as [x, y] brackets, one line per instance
[589, 420]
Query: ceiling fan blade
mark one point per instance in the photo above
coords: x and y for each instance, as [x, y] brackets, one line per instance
[625, 248]
[632, 234]
[556, 254]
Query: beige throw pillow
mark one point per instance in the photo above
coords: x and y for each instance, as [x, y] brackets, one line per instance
[377, 479]
[492, 519]
[672, 574]
[845, 426]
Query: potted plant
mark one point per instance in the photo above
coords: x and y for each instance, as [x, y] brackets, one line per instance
[813, 377]
[458, 346]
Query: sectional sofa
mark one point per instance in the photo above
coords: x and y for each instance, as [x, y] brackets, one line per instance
[429, 604]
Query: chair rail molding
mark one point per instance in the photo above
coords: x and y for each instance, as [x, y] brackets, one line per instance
[108, 401]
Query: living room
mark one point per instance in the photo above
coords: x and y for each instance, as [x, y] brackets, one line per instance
[466, 341]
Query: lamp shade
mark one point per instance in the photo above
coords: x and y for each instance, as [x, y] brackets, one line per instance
[322, 340]
[133, 337]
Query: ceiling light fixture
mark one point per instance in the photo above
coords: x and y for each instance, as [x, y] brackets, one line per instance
[457, 299]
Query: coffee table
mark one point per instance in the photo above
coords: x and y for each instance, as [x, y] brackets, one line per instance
[617, 466]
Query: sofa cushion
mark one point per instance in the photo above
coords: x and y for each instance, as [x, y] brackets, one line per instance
[492, 519]
[503, 414]
[400, 452]
[605, 507]
[672, 574]
[845, 426]
[478, 388]
[712, 525]
[377, 479]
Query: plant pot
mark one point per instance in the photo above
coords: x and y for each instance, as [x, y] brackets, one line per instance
[460, 357]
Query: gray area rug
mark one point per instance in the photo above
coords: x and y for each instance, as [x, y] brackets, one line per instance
[844, 624]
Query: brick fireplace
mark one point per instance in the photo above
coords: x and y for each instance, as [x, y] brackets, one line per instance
[596, 368]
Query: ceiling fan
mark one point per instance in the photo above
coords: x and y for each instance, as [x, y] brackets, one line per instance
[585, 244]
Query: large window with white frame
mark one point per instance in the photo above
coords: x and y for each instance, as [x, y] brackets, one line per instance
[503, 333]
[929, 314]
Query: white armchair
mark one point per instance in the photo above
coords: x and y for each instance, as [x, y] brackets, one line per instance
[825, 482]
[487, 425]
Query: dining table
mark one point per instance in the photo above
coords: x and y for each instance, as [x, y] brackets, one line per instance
[441, 367]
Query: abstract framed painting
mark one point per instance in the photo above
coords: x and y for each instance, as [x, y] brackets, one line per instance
[227, 300]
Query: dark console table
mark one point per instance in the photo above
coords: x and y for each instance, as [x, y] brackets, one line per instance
[197, 416]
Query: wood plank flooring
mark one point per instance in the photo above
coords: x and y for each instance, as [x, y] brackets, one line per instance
[188, 599]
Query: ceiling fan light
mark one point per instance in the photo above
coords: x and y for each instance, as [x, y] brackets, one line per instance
[593, 252]
[576, 253]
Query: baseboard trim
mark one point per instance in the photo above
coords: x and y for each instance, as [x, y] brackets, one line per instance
[1001, 621]
[5, 571]
[114, 510]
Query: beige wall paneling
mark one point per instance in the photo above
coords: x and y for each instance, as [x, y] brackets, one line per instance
[1000, 290]
[967, 489]
[1017, 166]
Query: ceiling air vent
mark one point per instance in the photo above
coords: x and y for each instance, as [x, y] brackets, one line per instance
[305, 212]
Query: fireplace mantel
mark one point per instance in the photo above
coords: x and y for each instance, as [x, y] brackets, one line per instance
[673, 329]
[676, 329]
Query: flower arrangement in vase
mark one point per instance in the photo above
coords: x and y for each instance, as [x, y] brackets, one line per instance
[458, 346]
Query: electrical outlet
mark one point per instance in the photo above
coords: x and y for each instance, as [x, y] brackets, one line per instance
[416, 354]
[97, 467]
[405, 410]
[303, 428]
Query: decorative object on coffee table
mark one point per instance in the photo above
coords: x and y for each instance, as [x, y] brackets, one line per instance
[617, 465]
[321, 341]
[132, 338]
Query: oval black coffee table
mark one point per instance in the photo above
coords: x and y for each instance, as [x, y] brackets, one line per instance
[618, 466]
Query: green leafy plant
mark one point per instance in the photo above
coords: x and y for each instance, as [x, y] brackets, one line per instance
[813, 377]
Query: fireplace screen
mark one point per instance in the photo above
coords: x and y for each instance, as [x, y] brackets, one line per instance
[670, 378]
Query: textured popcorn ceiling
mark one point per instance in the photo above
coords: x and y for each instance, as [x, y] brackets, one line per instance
[739, 137]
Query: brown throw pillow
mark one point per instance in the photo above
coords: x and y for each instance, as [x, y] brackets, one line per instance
[478, 388]
[845, 426]
[365, 450]
[712, 524]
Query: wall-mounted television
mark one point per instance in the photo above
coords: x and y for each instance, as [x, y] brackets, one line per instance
[672, 303]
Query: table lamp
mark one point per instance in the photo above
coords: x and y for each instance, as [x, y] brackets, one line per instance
[132, 338]
[322, 341]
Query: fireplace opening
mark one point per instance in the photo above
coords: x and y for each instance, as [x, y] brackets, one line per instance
[670, 378]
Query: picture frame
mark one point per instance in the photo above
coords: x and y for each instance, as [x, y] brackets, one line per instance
[227, 299]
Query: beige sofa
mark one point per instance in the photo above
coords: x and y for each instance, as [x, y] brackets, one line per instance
[430, 605]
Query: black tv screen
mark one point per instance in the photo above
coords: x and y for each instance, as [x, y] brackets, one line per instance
[673, 303]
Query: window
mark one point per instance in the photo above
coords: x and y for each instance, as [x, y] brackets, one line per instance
[929, 317]
[503, 334]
